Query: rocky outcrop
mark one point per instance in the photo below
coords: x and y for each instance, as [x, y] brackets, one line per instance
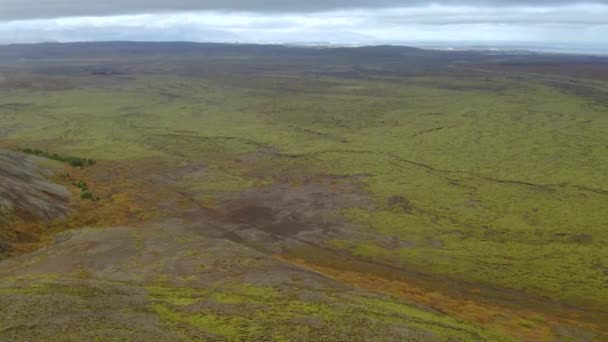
[24, 191]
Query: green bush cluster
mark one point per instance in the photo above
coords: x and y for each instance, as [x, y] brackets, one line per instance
[72, 161]
[84, 191]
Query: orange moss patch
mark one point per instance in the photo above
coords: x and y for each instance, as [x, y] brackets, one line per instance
[524, 325]
[117, 204]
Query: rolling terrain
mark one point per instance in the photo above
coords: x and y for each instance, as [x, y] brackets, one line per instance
[243, 192]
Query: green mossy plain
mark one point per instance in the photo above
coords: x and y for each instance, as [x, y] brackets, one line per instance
[248, 312]
[506, 180]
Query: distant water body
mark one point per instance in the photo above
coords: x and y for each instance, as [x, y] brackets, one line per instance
[559, 48]
[506, 47]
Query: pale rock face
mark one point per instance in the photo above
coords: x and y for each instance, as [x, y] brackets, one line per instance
[24, 190]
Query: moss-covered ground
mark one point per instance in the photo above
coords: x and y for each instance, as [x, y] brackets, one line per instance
[480, 177]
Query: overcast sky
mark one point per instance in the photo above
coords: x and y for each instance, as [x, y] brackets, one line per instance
[557, 22]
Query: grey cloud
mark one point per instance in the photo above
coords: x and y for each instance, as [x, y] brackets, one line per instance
[573, 15]
[33, 9]
[346, 27]
[336, 21]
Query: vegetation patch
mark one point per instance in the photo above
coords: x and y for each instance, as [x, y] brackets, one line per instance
[72, 161]
[247, 312]
[85, 193]
[493, 178]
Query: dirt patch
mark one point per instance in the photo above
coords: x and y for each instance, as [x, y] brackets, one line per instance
[282, 211]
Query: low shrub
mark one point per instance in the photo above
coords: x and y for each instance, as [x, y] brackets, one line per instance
[72, 161]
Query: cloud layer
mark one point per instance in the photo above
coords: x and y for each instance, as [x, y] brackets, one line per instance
[30, 9]
[338, 21]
